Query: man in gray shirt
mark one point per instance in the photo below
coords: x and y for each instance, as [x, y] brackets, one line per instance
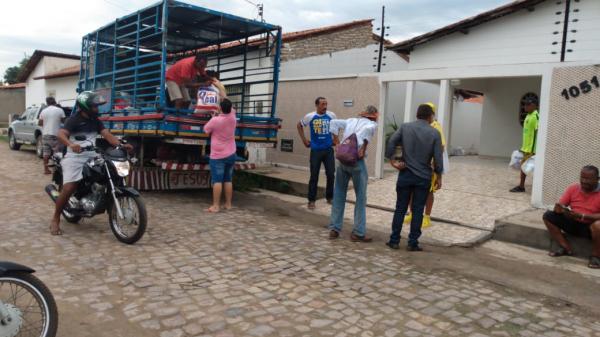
[420, 144]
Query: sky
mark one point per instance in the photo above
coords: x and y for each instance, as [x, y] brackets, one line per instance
[58, 25]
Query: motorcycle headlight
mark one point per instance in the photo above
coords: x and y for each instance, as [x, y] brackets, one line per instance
[122, 168]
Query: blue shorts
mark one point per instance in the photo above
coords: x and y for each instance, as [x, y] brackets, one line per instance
[221, 170]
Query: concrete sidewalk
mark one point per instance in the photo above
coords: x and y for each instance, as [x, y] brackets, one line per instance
[379, 222]
[528, 229]
[475, 194]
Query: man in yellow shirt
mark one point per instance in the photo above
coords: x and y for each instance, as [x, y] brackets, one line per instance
[530, 127]
[430, 198]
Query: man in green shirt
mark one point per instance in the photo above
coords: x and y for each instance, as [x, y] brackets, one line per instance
[530, 128]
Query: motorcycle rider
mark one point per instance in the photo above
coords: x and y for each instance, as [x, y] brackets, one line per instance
[83, 123]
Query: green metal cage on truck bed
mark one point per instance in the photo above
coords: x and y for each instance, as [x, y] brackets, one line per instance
[126, 61]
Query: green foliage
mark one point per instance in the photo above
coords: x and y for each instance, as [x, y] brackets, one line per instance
[12, 74]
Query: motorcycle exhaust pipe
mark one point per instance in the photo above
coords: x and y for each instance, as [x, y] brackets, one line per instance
[52, 192]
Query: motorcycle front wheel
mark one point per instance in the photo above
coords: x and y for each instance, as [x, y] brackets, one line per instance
[132, 226]
[30, 305]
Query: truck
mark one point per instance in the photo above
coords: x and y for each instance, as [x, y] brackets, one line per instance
[24, 128]
[126, 61]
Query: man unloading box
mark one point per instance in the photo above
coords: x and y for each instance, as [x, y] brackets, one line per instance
[181, 76]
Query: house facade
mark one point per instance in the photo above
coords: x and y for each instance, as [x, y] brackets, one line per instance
[527, 48]
[50, 74]
[335, 62]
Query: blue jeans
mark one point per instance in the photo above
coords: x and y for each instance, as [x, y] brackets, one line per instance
[360, 177]
[409, 184]
[221, 170]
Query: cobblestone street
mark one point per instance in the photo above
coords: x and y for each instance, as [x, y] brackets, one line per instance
[250, 273]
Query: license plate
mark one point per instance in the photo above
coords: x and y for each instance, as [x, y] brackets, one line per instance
[187, 180]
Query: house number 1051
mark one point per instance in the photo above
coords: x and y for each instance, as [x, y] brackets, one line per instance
[584, 87]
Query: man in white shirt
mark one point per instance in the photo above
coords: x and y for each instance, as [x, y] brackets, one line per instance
[364, 127]
[50, 120]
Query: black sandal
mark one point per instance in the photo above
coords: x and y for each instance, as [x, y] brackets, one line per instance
[560, 252]
[517, 189]
[594, 262]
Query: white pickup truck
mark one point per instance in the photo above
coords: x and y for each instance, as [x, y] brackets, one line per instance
[24, 129]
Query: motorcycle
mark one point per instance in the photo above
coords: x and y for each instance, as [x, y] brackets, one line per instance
[103, 189]
[27, 308]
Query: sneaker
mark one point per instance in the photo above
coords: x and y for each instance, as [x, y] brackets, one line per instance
[408, 218]
[333, 234]
[426, 221]
[356, 238]
[392, 245]
[311, 205]
[415, 248]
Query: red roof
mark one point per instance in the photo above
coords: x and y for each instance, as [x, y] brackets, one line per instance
[66, 72]
[13, 86]
[464, 25]
[302, 34]
[35, 59]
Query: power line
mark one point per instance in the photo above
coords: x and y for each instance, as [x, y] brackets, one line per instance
[118, 6]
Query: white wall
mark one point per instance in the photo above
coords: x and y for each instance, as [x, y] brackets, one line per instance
[54, 64]
[521, 37]
[352, 61]
[587, 37]
[35, 90]
[394, 106]
[501, 132]
[64, 89]
[465, 127]
[424, 92]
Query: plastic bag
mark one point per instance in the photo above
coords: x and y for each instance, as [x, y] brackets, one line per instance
[528, 166]
[515, 160]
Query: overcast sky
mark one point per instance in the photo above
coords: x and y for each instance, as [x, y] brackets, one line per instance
[58, 25]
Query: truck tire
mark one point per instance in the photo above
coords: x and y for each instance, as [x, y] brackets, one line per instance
[39, 146]
[12, 141]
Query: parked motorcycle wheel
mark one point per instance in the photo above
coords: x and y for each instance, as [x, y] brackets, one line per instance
[133, 225]
[30, 304]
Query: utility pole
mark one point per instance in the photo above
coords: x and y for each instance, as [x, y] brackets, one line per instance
[382, 39]
[261, 12]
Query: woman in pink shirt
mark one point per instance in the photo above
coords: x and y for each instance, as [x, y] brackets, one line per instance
[221, 128]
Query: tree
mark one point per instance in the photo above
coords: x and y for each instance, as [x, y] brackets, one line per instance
[12, 74]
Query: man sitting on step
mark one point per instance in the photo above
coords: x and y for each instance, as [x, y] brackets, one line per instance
[578, 213]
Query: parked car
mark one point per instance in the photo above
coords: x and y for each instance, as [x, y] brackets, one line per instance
[24, 130]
